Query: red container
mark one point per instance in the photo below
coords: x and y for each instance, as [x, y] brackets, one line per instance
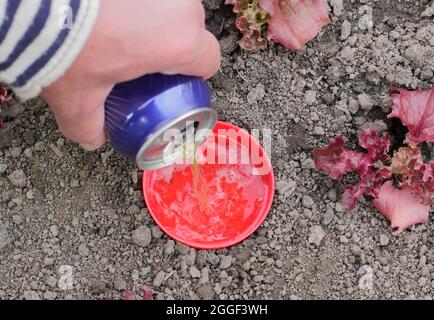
[218, 203]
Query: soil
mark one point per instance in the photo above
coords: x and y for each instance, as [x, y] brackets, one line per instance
[74, 224]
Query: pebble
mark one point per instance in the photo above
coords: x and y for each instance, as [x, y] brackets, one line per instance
[286, 188]
[384, 240]
[343, 239]
[206, 292]
[345, 30]
[256, 94]
[15, 151]
[229, 43]
[159, 278]
[338, 6]
[74, 183]
[119, 284]
[54, 231]
[318, 131]
[194, 272]
[18, 178]
[169, 247]
[365, 101]
[4, 236]
[3, 168]
[83, 250]
[52, 281]
[225, 262]
[310, 97]
[142, 236]
[328, 217]
[316, 235]
[339, 207]
[30, 194]
[307, 201]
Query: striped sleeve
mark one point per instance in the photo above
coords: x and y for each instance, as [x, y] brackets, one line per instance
[40, 39]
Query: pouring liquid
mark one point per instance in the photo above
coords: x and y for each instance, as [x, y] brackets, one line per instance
[208, 200]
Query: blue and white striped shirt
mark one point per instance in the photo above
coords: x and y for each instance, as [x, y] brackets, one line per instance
[40, 39]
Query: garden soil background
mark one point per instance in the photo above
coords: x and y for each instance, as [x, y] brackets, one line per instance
[67, 214]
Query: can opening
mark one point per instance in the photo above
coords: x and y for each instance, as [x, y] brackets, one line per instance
[170, 141]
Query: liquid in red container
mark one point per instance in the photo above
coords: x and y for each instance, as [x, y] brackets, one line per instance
[219, 201]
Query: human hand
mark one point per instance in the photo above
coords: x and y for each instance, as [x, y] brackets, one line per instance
[130, 38]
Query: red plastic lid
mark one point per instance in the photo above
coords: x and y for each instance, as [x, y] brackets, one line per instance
[219, 202]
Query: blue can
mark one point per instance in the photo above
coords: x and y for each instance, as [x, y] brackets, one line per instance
[139, 113]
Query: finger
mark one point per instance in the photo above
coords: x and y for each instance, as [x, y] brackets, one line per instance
[203, 59]
[83, 121]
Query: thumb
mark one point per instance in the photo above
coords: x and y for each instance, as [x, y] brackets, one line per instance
[80, 118]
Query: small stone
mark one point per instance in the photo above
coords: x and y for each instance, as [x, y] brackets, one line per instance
[4, 236]
[339, 207]
[318, 131]
[119, 284]
[201, 258]
[229, 43]
[286, 188]
[194, 272]
[142, 236]
[74, 183]
[18, 178]
[3, 168]
[133, 209]
[48, 261]
[50, 295]
[169, 248]
[256, 94]
[30, 194]
[343, 239]
[83, 250]
[307, 201]
[384, 240]
[39, 146]
[15, 151]
[31, 295]
[135, 275]
[338, 6]
[98, 286]
[156, 232]
[206, 292]
[54, 231]
[159, 278]
[422, 281]
[429, 12]
[332, 195]
[316, 235]
[365, 102]
[225, 262]
[345, 30]
[328, 217]
[213, 259]
[310, 97]
[52, 281]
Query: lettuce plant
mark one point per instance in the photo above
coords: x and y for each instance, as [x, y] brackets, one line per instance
[292, 23]
[5, 99]
[402, 184]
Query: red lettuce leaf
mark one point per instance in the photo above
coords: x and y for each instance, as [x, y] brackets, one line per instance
[336, 161]
[293, 23]
[377, 147]
[251, 20]
[408, 166]
[401, 207]
[415, 109]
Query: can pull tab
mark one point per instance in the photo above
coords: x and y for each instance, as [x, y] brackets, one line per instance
[142, 114]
